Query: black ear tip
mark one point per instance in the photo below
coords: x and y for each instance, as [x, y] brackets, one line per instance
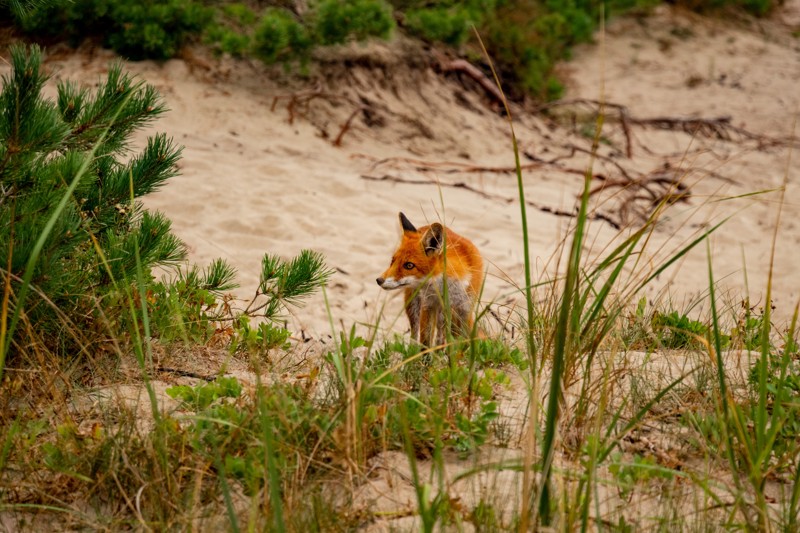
[407, 225]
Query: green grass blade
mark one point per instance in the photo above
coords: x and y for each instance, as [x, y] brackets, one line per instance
[683, 251]
[226, 491]
[523, 211]
[276, 502]
[723, 387]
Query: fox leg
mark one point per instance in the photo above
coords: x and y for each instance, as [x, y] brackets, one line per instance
[440, 327]
[426, 327]
[413, 312]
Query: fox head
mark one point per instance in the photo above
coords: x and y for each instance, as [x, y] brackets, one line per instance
[417, 257]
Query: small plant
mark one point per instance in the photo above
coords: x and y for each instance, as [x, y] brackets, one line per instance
[495, 353]
[675, 330]
[641, 470]
[260, 339]
[188, 307]
[202, 396]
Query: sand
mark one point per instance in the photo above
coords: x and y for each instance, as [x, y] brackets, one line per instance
[258, 177]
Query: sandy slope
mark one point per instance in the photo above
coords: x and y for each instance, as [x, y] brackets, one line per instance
[254, 180]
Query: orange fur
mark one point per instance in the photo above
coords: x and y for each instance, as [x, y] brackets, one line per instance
[418, 265]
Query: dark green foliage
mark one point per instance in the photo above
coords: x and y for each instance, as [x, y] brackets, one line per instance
[46, 147]
[280, 37]
[155, 29]
[756, 7]
[337, 20]
[145, 29]
[449, 25]
[231, 31]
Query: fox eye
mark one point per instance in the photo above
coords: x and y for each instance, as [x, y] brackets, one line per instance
[409, 266]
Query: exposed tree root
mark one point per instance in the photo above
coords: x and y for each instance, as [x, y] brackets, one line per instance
[719, 128]
[465, 67]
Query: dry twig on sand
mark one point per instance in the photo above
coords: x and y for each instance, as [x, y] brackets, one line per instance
[461, 185]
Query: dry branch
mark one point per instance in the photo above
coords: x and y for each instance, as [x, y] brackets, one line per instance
[461, 185]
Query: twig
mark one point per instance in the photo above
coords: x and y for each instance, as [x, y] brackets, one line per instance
[452, 167]
[184, 373]
[461, 185]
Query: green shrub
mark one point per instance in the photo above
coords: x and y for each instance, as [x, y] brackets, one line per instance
[72, 223]
[188, 307]
[438, 24]
[228, 40]
[337, 21]
[280, 37]
[146, 29]
[240, 13]
[232, 30]
[155, 29]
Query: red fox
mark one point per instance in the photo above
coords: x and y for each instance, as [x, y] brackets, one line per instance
[417, 267]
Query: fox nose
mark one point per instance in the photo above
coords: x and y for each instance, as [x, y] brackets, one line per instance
[380, 281]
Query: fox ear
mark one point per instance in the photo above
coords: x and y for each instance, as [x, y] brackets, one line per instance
[432, 240]
[407, 225]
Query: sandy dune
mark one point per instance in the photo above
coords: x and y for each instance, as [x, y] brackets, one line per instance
[258, 177]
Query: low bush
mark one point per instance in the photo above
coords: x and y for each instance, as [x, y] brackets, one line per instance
[337, 21]
[449, 25]
[279, 36]
[147, 29]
